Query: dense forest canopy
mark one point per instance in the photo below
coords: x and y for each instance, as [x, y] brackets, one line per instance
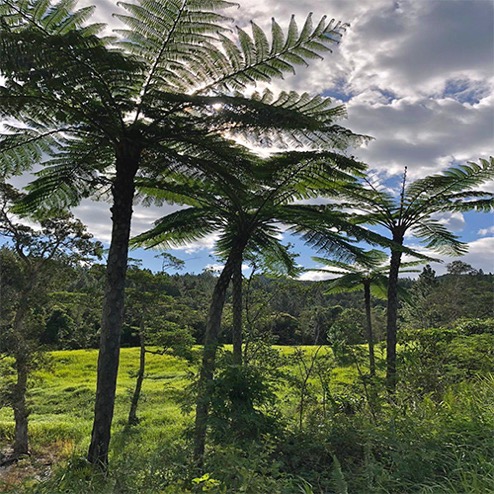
[287, 311]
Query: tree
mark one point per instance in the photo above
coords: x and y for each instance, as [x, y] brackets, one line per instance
[420, 311]
[248, 220]
[440, 301]
[414, 212]
[166, 93]
[369, 273]
[30, 263]
[145, 313]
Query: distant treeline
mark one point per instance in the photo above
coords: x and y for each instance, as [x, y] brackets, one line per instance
[283, 311]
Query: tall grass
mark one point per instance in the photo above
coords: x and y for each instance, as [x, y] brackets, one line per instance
[414, 444]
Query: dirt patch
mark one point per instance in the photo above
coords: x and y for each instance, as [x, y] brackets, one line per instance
[31, 468]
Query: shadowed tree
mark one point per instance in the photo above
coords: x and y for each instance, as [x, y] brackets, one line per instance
[162, 93]
[369, 273]
[35, 256]
[414, 212]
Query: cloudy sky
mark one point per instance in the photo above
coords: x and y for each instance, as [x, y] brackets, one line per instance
[417, 75]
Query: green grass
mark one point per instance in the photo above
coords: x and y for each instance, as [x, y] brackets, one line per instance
[62, 397]
[417, 445]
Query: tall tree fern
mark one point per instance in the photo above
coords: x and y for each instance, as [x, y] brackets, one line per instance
[249, 219]
[166, 92]
[413, 211]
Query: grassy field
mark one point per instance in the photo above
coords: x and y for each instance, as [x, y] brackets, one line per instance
[414, 446]
[62, 395]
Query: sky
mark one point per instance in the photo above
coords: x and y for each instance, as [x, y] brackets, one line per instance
[416, 75]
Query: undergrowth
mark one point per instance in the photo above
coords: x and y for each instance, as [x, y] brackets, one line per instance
[438, 442]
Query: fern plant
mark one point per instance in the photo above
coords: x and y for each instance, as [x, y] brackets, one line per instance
[248, 220]
[368, 273]
[414, 211]
[168, 92]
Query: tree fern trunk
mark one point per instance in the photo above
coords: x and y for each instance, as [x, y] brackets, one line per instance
[237, 313]
[392, 321]
[213, 327]
[370, 334]
[113, 304]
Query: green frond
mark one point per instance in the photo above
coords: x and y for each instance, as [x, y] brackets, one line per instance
[178, 228]
[71, 174]
[292, 34]
[351, 282]
[261, 42]
[50, 18]
[437, 237]
[19, 151]
[276, 257]
[277, 37]
[247, 46]
[463, 202]
[173, 190]
[369, 263]
[329, 242]
[255, 60]
[458, 178]
[174, 37]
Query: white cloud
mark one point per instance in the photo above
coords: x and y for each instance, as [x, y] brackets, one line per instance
[205, 243]
[452, 221]
[480, 254]
[214, 268]
[486, 231]
[217, 268]
[316, 276]
[417, 74]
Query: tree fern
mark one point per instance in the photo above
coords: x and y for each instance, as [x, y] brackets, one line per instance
[412, 211]
[102, 112]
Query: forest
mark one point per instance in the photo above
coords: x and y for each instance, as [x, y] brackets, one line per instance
[118, 379]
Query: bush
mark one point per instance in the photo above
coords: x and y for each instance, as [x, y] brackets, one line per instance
[242, 405]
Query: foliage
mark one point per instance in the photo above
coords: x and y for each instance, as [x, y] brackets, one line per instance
[418, 445]
[438, 357]
[242, 405]
[167, 94]
[414, 212]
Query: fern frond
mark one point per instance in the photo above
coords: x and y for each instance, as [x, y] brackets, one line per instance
[19, 151]
[173, 37]
[457, 178]
[259, 62]
[437, 237]
[178, 228]
[71, 174]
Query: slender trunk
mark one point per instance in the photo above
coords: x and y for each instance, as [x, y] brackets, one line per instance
[392, 321]
[133, 420]
[113, 304]
[21, 364]
[237, 313]
[21, 413]
[213, 327]
[370, 335]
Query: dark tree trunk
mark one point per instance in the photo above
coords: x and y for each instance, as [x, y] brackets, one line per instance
[213, 327]
[392, 320]
[22, 357]
[237, 313]
[133, 420]
[113, 304]
[21, 413]
[370, 335]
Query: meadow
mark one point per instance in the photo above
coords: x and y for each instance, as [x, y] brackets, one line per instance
[328, 433]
